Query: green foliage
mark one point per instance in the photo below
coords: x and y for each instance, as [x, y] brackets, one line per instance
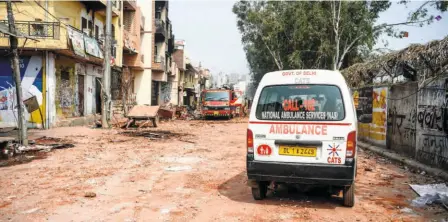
[281, 35]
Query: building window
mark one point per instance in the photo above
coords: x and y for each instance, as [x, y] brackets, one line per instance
[158, 15]
[90, 28]
[37, 28]
[65, 75]
[113, 32]
[83, 24]
[154, 93]
[97, 32]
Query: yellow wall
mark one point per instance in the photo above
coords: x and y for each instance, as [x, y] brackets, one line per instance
[69, 13]
[118, 23]
[29, 11]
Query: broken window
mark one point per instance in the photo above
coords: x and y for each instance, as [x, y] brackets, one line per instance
[65, 75]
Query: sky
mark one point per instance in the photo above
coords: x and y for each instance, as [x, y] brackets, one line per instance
[212, 37]
[399, 13]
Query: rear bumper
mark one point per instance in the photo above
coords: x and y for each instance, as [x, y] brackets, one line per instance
[337, 175]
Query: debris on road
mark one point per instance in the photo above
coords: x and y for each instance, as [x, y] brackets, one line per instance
[429, 194]
[154, 136]
[187, 113]
[90, 194]
[143, 112]
[30, 211]
[178, 168]
[166, 112]
[406, 210]
[368, 169]
[117, 171]
[165, 211]
[187, 141]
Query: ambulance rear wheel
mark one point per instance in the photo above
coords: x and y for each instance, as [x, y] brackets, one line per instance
[349, 195]
[259, 192]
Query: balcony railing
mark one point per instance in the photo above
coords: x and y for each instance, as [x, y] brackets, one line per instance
[159, 59]
[36, 29]
[160, 27]
[159, 63]
[116, 5]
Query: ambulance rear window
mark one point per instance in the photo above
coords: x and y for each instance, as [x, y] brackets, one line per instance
[301, 103]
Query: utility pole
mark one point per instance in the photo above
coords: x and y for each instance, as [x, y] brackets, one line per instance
[23, 138]
[106, 79]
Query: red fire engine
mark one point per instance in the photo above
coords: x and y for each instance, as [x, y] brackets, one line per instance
[217, 103]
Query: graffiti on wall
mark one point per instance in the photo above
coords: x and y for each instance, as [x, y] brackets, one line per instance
[395, 120]
[401, 124]
[431, 117]
[431, 125]
[32, 84]
[409, 129]
[65, 91]
[433, 149]
[401, 118]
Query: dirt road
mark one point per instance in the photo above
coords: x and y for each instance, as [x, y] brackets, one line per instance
[183, 171]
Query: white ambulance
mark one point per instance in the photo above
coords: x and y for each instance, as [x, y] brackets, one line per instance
[302, 130]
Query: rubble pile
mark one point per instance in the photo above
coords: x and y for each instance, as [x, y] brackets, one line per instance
[187, 113]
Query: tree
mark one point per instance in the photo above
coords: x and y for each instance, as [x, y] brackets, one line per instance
[279, 35]
[366, 15]
[290, 35]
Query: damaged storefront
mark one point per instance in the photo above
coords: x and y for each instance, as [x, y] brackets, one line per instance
[78, 77]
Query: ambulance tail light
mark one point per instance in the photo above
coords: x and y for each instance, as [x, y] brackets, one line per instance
[351, 145]
[250, 141]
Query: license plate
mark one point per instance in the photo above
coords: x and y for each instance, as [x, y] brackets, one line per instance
[297, 151]
[216, 112]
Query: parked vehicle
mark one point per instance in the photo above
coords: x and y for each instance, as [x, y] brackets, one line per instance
[238, 103]
[217, 103]
[302, 131]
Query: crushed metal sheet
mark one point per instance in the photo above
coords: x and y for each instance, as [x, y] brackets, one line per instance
[430, 193]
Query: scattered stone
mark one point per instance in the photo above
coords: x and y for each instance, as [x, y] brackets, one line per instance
[165, 211]
[178, 168]
[30, 211]
[406, 210]
[117, 208]
[90, 194]
[181, 160]
[385, 176]
[423, 173]
[91, 181]
[368, 169]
